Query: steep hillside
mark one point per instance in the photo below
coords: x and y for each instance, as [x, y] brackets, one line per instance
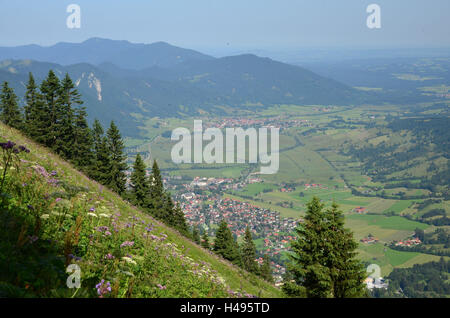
[52, 216]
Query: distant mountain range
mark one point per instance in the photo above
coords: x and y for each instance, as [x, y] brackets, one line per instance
[124, 81]
[95, 51]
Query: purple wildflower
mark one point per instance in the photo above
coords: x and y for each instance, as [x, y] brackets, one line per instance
[7, 145]
[32, 239]
[24, 149]
[161, 287]
[127, 243]
[102, 288]
[109, 256]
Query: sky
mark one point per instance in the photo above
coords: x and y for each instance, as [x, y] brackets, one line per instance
[231, 24]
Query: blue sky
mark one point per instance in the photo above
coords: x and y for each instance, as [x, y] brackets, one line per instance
[230, 23]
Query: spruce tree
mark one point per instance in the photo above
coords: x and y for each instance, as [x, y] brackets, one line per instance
[266, 270]
[248, 252]
[139, 183]
[225, 245]
[167, 213]
[156, 193]
[9, 106]
[51, 89]
[101, 162]
[180, 220]
[324, 260]
[205, 241]
[347, 272]
[311, 275]
[116, 178]
[196, 235]
[82, 153]
[31, 108]
[68, 99]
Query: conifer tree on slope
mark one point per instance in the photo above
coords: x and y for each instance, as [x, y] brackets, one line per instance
[68, 99]
[195, 235]
[37, 117]
[9, 106]
[51, 89]
[166, 213]
[205, 241]
[180, 220]
[30, 108]
[266, 270]
[156, 202]
[347, 272]
[139, 183]
[101, 162]
[319, 261]
[248, 252]
[116, 178]
[308, 267]
[225, 245]
[82, 152]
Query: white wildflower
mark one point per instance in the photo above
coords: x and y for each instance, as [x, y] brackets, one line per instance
[129, 260]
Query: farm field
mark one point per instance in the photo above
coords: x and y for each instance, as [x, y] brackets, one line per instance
[313, 163]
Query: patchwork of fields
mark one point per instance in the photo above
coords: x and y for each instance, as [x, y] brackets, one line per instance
[313, 163]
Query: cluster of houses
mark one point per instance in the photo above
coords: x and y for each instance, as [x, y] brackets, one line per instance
[207, 182]
[315, 186]
[204, 211]
[281, 122]
[360, 210]
[369, 240]
[408, 243]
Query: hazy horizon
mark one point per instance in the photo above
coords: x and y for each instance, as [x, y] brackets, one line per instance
[231, 25]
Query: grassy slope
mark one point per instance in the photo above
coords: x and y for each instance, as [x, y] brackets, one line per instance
[178, 267]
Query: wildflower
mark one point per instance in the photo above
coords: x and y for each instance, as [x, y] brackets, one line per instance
[24, 184]
[53, 182]
[30, 207]
[76, 258]
[102, 228]
[32, 239]
[129, 260]
[127, 243]
[45, 216]
[102, 288]
[104, 215]
[7, 145]
[58, 199]
[24, 149]
[92, 209]
[109, 256]
[161, 287]
[108, 233]
[92, 214]
[53, 173]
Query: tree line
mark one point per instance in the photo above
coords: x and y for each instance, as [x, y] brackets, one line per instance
[243, 255]
[54, 116]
